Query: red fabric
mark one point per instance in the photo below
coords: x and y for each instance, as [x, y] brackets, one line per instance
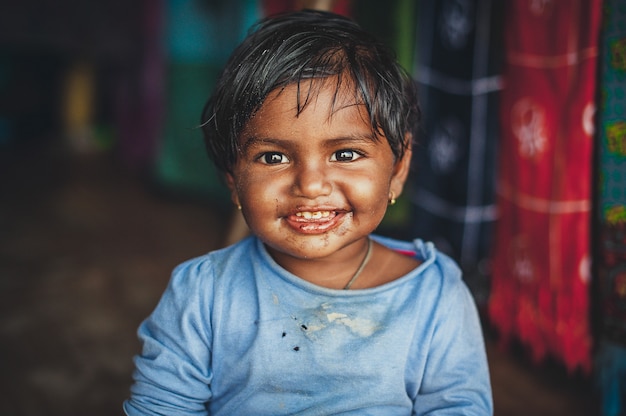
[540, 286]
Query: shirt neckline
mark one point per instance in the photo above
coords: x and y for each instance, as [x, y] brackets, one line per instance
[424, 251]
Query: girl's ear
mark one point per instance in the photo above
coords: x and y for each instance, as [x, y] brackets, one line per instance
[234, 196]
[401, 169]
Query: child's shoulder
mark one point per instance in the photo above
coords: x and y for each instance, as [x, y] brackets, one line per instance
[215, 263]
[424, 251]
[432, 261]
[242, 248]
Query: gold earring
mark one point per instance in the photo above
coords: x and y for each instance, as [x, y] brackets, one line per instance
[239, 207]
[392, 199]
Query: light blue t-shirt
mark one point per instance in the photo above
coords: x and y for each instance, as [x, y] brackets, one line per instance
[236, 334]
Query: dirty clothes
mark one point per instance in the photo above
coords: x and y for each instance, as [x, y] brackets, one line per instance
[236, 334]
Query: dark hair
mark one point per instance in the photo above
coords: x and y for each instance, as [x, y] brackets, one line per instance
[294, 47]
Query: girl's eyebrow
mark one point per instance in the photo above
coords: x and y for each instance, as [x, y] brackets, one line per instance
[350, 140]
[257, 141]
[356, 139]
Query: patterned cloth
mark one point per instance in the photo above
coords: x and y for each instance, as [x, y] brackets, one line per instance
[452, 187]
[612, 189]
[540, 284]
[611, 258]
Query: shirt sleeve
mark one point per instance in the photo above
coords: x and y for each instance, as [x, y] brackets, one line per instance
[456, 377]
[173, 374]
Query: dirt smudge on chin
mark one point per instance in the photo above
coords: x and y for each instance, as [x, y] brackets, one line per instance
[345, 227]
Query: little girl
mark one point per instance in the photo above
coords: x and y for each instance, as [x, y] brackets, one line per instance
[311, 123]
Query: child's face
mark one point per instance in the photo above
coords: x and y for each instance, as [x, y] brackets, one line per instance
[314, 184]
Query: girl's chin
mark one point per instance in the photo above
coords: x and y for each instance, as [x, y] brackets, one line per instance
[310, 246]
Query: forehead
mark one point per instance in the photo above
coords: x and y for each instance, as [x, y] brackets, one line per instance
[321, 103]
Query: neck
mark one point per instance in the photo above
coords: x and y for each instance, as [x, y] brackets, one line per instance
[332, 272]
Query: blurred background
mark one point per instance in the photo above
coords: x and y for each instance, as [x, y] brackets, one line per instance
[519, 174]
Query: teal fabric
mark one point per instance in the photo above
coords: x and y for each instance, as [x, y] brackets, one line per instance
[610, 360]
[200, 37]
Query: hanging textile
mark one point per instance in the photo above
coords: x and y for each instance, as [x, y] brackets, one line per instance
[611, 255]
[451, 187]
[200, 36]
[540, 284]
[140, 96]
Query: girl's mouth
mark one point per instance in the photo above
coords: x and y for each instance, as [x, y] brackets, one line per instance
[314, 222]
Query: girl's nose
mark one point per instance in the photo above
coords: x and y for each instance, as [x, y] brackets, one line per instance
[312, 181]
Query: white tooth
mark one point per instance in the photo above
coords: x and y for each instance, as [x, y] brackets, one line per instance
[316, 215]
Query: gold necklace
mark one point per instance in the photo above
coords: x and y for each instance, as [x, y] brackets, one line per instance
[362, 265]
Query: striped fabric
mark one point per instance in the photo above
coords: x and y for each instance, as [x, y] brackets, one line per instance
[452, 186]
[541, 273]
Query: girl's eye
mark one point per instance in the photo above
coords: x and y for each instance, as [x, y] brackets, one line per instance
[345, 155]
[273, 158]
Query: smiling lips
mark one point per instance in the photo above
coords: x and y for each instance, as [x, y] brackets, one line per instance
[314, 222]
